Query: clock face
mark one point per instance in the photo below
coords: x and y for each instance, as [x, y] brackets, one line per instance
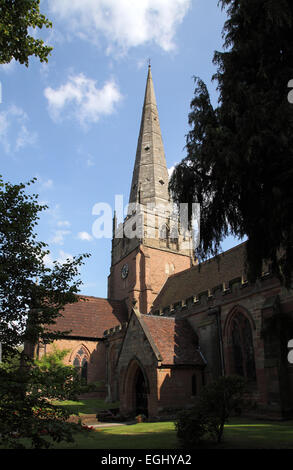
[124, 271]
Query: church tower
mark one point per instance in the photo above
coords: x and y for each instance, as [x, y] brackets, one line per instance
[150, 244]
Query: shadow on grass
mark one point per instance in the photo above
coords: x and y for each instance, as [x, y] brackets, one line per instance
[86, 406]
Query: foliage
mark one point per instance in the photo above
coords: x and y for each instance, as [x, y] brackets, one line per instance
[31, 414]
[59, 381]
[216, 402]
[36, 415]
[32, 297]
[15, 42]
[191, 426]
[239, 163]
[26, 284]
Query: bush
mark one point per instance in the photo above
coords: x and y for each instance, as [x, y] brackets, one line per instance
[191, 426]
[216, 402]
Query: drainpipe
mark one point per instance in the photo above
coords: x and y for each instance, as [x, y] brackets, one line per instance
[217, 312]
[108, 398]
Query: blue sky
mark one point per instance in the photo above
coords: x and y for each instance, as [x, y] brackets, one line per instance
[74, 122]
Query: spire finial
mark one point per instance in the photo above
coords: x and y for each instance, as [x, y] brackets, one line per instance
[149, 62]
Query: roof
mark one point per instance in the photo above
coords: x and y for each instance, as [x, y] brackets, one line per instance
[150, 174]
[206, 276]
[91, 316]
[174, 339]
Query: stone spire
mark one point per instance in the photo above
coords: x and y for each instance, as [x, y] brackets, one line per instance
[150, 175]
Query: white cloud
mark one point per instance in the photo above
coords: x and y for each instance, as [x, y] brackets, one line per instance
[90, 162]
[85, 236]
[48, 184]
[48, 261]
[8, 67]
[124, 23]
[170, 170]
[58, 237]
[82, 99]
[14, 133]
[63, 223]
[44, 184]
[64, 257]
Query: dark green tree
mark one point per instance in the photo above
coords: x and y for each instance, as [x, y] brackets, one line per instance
[32, 297]
[239, 163]
[16, 16]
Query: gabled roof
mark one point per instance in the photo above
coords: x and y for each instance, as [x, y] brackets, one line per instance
[174, 340]
[197, 279]
[91, 316]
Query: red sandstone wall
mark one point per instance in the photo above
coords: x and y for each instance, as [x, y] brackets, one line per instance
[149, 269]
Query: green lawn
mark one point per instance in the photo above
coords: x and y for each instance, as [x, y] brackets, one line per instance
[253, 434]
[238, 434]
[135, 436]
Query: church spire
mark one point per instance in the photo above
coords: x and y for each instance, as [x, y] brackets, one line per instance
[150, 175]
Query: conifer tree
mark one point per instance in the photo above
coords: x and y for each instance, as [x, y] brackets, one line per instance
[239, 163]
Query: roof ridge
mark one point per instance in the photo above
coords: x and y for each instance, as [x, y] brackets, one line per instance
[158, 316]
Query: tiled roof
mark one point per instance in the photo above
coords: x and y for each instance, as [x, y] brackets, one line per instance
[193, 281]
[91, 316]
[174, 339]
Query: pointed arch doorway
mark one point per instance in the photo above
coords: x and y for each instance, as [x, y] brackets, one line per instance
[136, 389]
[141, 398]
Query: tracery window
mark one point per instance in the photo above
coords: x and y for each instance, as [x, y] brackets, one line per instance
[81, 363]
[242, 347]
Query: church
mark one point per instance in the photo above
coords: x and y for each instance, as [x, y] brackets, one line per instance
[169, 326]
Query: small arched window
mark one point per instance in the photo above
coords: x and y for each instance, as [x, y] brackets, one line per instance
[164, 231]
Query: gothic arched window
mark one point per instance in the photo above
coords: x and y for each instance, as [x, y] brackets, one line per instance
[76, 363]
[84, 369]
[81, 363]
[242, 347]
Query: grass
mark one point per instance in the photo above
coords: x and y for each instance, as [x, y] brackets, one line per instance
[238, 434]
[248, 434]
[136, 436]
[86, 406]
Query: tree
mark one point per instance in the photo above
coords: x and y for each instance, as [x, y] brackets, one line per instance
[26, 284]
[16, 16]
[32, 297]
[37, 416]
[239, 163]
